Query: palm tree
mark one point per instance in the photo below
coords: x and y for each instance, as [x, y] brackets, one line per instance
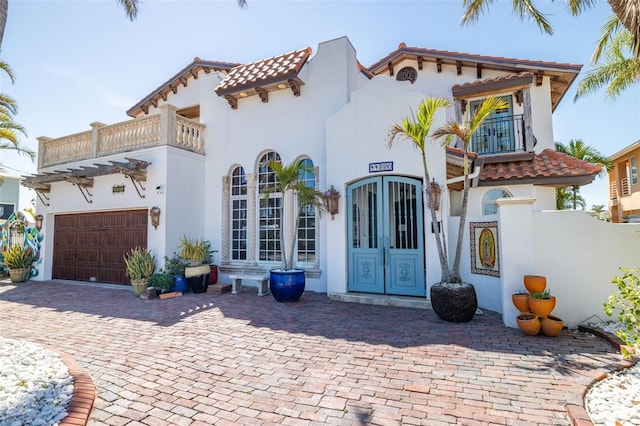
[291, 186]
[578, 149]
[415, 129]
[597, 210]
[465, 131]
[9, 130]
[565, 199]
[614, 65]
[627, 13]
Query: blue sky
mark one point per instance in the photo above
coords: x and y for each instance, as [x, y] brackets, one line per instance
[83, 61]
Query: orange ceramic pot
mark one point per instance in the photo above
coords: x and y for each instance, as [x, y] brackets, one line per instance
[534, 283]
[542, 307]
[551, 326]
[521, 302]
[529, 324]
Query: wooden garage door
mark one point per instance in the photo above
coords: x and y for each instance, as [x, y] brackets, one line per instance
[93, 244]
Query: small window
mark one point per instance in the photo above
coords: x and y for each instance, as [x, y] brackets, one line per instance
[407, 74]
[634, 170]
[489, 205]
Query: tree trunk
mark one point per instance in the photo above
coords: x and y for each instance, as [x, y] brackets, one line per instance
[463, 219]
[628, 12]
[575, 190]
[4, 10]
[444, 264]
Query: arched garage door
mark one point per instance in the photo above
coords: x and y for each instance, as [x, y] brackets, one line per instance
[90, 245]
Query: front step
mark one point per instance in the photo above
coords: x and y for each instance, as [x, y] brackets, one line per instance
[384, 300]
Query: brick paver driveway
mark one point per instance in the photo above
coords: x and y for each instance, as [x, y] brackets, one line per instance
[210, 359]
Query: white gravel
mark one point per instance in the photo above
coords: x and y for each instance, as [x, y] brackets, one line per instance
[35, 385]
[615, 400]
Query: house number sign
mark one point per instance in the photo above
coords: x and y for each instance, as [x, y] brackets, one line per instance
[385, 166]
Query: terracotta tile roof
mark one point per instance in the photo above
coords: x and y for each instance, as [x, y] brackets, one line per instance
[181, 77]
[445, 54]
[508, 80]
[546, 168]
[264, 72]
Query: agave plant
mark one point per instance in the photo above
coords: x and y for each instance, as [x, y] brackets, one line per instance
[140, 263]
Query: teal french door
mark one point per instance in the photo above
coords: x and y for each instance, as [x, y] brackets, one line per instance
[496, 134]
[385, 236]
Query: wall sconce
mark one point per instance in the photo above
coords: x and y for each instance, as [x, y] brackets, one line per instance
[436, 192]
[331, 201]
[39, 219]
[154, 212]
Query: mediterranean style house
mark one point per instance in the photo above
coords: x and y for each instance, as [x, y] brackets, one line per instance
[194, 155]
[624, 187]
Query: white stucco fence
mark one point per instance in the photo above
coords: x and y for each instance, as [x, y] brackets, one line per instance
[579, 255]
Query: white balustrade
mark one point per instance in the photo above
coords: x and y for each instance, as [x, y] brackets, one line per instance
[130, 135]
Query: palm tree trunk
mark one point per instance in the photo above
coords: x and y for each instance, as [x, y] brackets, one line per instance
[4, 11]
[575, 195]
[628, 12]
[444, 264]
[463, 219]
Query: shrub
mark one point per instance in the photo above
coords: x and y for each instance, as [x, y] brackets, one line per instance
[161, 281]
[627, 303]
[140, 263]
[18, 257]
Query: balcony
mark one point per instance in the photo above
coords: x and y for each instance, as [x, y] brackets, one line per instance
[625, 188]
[500, 135]
[166, 128]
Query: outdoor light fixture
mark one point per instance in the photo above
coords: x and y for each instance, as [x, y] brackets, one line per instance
[282, 86]
[436, 191]
[331, 201]
[154, 212]
[39, 219]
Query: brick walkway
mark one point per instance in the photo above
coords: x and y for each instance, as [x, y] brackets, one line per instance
[205, 359]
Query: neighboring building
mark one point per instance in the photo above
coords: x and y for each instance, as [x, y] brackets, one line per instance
[197, 145]
[624, 187]
[9, 197]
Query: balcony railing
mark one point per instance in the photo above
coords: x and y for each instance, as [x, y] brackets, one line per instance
[625, 188]
[165, 128]
[500, 135]
[614, 190]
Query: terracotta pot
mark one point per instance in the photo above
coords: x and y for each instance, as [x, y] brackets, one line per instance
[542, 307]
[521, 302]
[535, 283]
[529, 324]
[551, 326]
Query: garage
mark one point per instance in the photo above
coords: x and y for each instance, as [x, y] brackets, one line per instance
[91, 246]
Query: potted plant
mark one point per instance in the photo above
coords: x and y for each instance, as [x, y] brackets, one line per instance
[542, 303]
[193, 250]
[451, 298]
[213, 268]
[521, 301]
[161, 281]
[18, 260]
[287, 283]
[140, 264]
[175, 266]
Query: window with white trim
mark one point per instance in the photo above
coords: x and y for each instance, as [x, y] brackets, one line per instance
[307, 221]
[269, 211]
[634, 170]
[489, 205]
[238, 214]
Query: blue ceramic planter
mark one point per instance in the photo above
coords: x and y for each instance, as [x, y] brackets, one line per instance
[286, 286]
[180, 284]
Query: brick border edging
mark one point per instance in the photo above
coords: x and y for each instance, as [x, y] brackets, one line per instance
[577, 413]
[84, 392]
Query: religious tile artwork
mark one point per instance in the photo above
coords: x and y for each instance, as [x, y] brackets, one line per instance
[484, 248]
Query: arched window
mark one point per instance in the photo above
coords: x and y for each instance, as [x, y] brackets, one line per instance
[238, 214]
[489, 205]
[307, 222]
[270, 211]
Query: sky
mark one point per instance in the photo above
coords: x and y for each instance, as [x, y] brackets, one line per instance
[83, 61]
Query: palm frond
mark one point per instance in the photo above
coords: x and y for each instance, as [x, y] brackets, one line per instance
[525, 9]
[608, 31]
[8, 70]
[576, 7]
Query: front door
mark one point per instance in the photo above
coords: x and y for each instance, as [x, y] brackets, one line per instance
[386, 242]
